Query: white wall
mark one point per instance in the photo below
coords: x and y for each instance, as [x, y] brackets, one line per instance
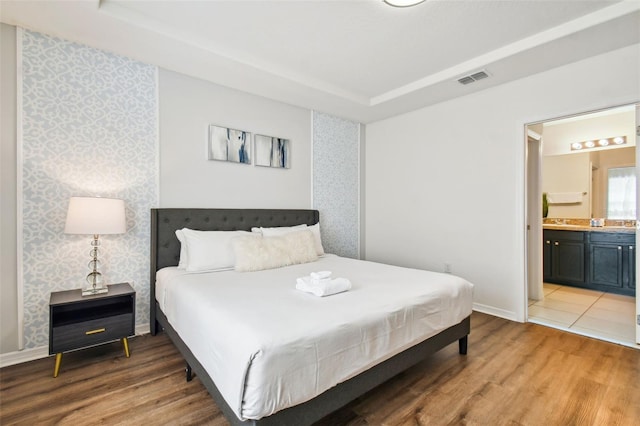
[187, 179]
[446, 183]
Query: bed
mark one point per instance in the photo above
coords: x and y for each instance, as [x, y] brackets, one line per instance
[165, 305]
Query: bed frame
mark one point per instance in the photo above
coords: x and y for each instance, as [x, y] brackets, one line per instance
[165, 251]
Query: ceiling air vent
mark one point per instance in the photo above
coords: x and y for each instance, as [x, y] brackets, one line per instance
[466, 80]
[479, 75]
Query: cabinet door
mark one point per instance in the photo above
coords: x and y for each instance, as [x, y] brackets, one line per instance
[631, 267]
[546, 259]
[606, 265]
[567, 261]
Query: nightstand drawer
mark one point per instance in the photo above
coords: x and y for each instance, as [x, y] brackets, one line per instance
[87, 333]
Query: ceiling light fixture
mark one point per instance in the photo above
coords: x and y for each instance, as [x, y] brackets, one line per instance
[403, 3]
[602, 143]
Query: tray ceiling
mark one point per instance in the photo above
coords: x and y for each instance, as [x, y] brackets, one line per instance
[359, 59]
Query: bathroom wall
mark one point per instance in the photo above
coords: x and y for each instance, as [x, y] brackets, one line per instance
[558, 135]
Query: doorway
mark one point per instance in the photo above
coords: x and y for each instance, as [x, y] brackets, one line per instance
[568, 160]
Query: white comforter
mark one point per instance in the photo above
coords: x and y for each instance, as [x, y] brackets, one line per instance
[268, 346]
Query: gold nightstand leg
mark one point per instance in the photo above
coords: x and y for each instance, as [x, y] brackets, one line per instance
[125, 343]
[56, 369]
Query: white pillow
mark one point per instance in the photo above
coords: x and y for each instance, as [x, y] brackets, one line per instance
[182, 263]
[255, 253]
[210, 250]
[279, 230]
[315, 230]
[283, 230]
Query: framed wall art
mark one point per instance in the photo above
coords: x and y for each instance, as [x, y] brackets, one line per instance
[227, 144]
[272, 152]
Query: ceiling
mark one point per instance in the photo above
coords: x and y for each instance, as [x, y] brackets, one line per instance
[358, 59]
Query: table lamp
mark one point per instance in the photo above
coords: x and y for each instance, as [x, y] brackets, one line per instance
[95, 216]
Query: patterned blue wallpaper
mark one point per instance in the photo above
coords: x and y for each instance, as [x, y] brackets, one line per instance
[336, 145]
[89, 123]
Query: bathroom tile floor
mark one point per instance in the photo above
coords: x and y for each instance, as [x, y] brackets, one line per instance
[604, 316]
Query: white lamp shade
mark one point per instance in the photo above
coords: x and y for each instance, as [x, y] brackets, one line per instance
[95, 216]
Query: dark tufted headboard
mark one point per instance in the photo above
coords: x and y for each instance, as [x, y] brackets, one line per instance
[165, 247]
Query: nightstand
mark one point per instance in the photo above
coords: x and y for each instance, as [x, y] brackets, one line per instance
[77, 322]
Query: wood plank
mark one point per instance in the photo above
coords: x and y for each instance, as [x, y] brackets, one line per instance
[515, 373]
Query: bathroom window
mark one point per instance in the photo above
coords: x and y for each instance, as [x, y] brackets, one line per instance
[621, 193]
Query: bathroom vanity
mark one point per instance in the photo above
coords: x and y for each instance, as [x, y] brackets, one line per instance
[595, 258]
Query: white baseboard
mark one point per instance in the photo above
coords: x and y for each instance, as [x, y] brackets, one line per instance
[142, 329]
[496, 312]
[26, 355]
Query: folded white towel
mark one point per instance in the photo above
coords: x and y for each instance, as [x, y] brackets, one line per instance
[320, 275]
[564, 197]
[325, 287]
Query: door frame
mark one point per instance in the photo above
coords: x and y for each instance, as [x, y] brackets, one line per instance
[637, 128]
[533, 209]
[533, 192]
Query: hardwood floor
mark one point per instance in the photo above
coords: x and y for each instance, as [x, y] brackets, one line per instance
[514, 374]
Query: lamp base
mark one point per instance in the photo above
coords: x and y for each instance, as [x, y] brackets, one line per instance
[91, 290]
[94, 284]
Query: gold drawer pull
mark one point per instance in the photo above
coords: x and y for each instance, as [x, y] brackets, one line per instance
[96, 331]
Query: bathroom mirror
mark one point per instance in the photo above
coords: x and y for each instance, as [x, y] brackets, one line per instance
[574, 162]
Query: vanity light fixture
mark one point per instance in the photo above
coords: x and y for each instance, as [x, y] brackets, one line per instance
[403, 3]
[617, 140]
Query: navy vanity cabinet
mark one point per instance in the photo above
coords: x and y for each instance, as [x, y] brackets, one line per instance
[597, 260]
[631, 265]
[564, 257]
[612, 262]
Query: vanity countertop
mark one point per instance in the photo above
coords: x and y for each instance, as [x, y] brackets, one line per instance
[570, 227]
